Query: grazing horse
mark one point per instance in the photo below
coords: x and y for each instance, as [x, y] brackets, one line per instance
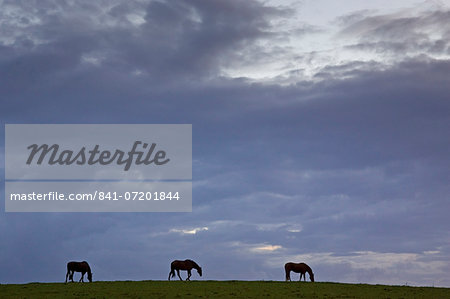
[184, 265]
[301, 268]
[82, 267]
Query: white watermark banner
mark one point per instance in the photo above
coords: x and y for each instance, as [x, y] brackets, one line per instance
[98, 168]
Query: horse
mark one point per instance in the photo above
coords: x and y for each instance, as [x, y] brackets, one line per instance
[82, 267]
[301, 268]
[184, 265]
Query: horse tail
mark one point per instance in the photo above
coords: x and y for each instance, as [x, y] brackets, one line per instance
[67, 274]
[69, 269]
[172, 271]
[287, 270]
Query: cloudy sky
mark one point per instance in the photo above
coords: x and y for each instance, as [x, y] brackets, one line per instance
[320, 134]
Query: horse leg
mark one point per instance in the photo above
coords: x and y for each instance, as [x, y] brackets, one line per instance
[71, 275]
[288, 276]
[178, 272]
[189, 275]
[301, 274]
[67, 275]
[81, 279]
[171, 273]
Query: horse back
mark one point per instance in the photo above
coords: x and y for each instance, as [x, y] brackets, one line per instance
[297, 267]
[289, 266]
[78, 266]
[183, 265]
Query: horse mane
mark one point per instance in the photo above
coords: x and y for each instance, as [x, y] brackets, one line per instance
[88, 267]
[309, 270]
[196, 266]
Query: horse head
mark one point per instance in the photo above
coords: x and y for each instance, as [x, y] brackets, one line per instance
[199, 270]
[89, 275]
[311, 277]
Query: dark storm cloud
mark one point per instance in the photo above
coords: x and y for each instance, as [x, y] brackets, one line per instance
[72, 53]
[175, 41]
[317, 170]
[201, 35]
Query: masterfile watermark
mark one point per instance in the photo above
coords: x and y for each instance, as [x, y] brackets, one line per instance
[132, 168]
[94, 156]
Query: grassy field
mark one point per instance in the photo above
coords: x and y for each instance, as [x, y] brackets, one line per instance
[216, 289]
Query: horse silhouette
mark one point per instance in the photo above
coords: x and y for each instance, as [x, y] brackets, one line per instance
[301, 268]
[186, 265]
[82, 267]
